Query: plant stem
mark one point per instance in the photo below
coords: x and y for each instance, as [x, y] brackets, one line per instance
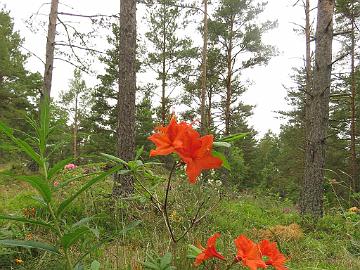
[165, 205]
[57, 226]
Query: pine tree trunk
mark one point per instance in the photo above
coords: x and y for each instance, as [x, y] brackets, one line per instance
[50, 48]
[75, 152]
[317, 113]
[354, 173]
[124, 184]
[163, 77]
[228, 81]
[308, 49]
[204, 124]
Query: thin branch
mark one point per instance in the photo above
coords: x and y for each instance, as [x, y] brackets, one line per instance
[88, 16]
[33, 54]
[71, 63]
[78, 47]
[70, 44]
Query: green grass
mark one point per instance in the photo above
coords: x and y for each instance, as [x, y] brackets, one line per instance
[332, 244]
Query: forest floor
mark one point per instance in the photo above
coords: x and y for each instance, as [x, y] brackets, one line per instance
[128, 231]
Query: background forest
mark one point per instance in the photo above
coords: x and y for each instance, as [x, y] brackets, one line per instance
[189, 61]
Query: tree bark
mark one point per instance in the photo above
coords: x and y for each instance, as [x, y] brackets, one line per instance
[204, 124]
[75, 131]
[228, 80]
[50, 48]
[354, 173]
[317, 114]
[163, 77]
[124, 184]
[308, 49]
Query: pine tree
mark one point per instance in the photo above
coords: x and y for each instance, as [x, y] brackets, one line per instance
[238, 35]
[19, 88]
[171, 55]
[77, 101]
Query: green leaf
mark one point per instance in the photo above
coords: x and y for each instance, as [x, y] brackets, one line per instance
[58, 166]
[44, 123]
[139, 152]
[24, 146]
[220, 155]
[234, 137]
[150, 265]
[71, 237]
[85, 187]
[165, 260]
[222, 144]
[95, 265]
[30, 244]
[65, 183]
[30, 221]
[193, 252]
[113, 158]
[39, 184]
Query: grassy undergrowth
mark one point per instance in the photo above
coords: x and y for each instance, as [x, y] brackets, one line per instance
[129, 230]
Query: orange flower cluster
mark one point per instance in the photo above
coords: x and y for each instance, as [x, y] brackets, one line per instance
[182, 139]
[250, 254]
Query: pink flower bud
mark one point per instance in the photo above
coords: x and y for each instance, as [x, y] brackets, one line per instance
[70, 166]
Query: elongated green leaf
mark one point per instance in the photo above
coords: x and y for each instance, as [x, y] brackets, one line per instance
[26, 220]
[193, 252]
[149, 265]
[234, 137]
[222, 144]
[86, 220]
[44, 123]
[29, 244]
[58, 166]
[71, 237]
[24, 146]
[220, 155]
[113, 158]
[90, 183]
[139, 152]
[39, 184]
[65, 183]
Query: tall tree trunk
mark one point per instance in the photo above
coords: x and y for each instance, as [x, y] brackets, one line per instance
[163, 77]
[317, 113]
[50, 48]
[209, 118]
[308, 49]
[354, 173]
[204, 124]
[228, 80]
[75, 131]
[124, 184]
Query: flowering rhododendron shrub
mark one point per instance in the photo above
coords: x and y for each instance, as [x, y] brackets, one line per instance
[181, 138]
[251, 255]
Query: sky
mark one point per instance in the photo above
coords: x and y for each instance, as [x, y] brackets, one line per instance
[266, 91]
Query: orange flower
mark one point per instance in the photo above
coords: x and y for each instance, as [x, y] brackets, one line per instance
[248, 253]
[208, 252]
[168, 138]
[182, 139]
[274, 256]
[196, 153]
